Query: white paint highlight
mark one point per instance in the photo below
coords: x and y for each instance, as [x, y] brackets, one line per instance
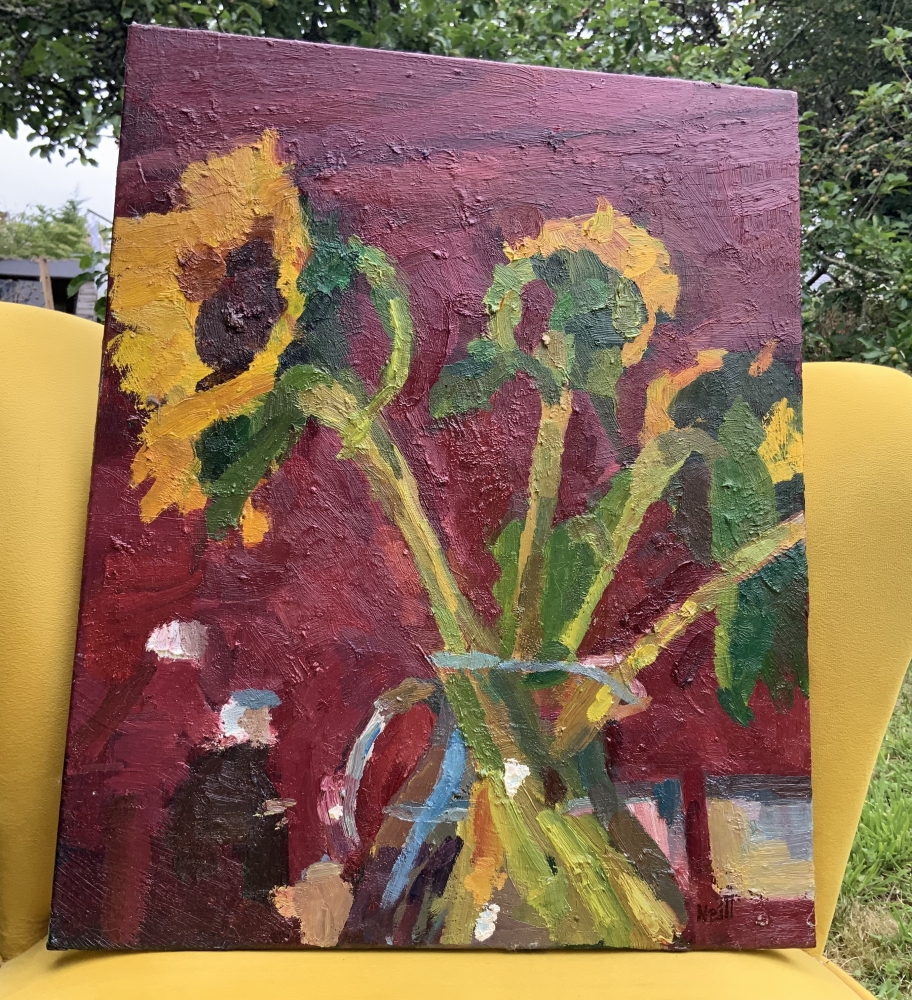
[229, 720]
[334, 813]
[486, 923]
[514, 775]
[178, 641]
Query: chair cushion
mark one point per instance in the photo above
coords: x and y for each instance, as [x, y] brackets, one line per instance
[48, 395]
[335, 975]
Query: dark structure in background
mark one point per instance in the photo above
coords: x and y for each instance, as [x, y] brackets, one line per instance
[20, 281]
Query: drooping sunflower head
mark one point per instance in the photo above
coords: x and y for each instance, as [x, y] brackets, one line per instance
[639, 259]
[208, 298]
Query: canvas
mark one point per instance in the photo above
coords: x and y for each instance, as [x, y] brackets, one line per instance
[445, 580]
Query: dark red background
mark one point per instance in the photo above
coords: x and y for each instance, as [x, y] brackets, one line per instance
[437, 162]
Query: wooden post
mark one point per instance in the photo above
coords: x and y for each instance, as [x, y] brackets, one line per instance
[44, 276]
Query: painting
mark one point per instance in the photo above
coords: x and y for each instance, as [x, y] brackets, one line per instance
[445, 581]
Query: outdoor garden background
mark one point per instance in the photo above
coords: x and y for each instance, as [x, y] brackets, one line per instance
[849, 60]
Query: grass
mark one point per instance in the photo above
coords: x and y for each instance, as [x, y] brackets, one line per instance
[872, 930]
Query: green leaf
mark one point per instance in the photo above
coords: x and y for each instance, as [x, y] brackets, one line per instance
[597, 371]
[571, 565]
[576, 550]
[786, 664]
[706, 401]
[512, 277]
[221, 445]
[598, 309]
[236, 454]
[743, 504]
[742, 496]
[321, 340]
[764, 636]
[629, 309]
[470, 384]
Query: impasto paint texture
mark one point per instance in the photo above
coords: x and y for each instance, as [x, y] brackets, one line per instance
[445, 580]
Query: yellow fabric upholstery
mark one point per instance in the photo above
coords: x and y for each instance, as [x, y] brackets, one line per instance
[358, 975]
[858, 475]
[858, 426]
[49, 365]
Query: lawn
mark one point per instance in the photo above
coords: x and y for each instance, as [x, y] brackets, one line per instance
[872, 931]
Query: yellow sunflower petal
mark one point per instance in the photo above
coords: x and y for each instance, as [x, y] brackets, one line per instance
[163, 266]
[661, 391]
[781, 449]
[623, 246]
[255, 524]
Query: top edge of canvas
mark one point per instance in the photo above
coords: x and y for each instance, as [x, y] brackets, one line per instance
[138, 31]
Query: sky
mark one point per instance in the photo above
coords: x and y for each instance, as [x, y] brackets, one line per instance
[28, 180]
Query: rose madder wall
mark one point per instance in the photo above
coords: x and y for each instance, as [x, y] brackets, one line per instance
[438, 162]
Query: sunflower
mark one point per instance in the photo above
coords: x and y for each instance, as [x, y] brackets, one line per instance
[622, 246]
[208, 300]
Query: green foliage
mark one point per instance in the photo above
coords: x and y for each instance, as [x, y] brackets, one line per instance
[61, 64]
[822, 48]
[856, 211]
[45, 232]
[61, 73]
[598, 309]
[760, 623]
[470, 384]
[595, 308]
[576, 550]
[760, 631]
[492, 361]
[94, 266]
[705, 402]
[506, 551]
[238, 453]
[320, 338]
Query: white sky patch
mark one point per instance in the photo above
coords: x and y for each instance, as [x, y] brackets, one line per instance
[486, 922]
[178, 641]
[27, 180]
[514, 775]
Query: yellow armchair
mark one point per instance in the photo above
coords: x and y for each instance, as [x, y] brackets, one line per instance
[858, 435]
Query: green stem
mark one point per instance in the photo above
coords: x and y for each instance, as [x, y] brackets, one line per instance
[391, 304]
[544, 484]
[588, 707]
[393, 484]
[651, 473]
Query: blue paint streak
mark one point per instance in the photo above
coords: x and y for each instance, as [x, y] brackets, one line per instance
[256, 698]
[354, 770]
[668, 798]
[441, 797]
[485, 661]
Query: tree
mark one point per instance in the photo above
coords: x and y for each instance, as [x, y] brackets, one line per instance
[856, 211]
[45, 232]
[61, 65]
[61, 73]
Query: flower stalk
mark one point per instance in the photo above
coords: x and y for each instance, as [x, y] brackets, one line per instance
[544, 485]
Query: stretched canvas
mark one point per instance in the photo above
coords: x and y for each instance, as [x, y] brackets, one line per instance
[445, 580]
